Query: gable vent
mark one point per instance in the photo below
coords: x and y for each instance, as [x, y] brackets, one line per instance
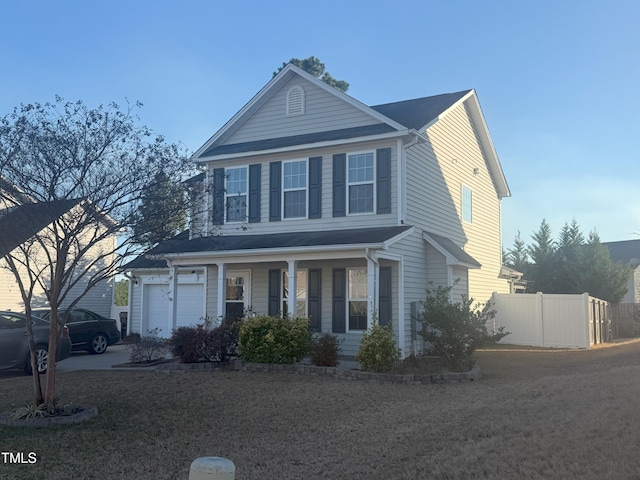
[295, 101]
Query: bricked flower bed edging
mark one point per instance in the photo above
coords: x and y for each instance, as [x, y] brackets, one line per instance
[340, 373]
[86, 413]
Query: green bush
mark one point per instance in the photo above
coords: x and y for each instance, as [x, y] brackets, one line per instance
[325, 350]
[274, 340]
[456, 330]
[206, 343]
[378, 351]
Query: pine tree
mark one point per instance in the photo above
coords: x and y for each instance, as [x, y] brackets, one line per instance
[313, 66]
[542, 252]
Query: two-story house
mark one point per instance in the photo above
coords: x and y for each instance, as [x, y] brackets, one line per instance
[320, 206]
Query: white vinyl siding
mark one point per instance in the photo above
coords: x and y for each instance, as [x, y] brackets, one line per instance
[451, 158]
[327, 220]
[323, 112]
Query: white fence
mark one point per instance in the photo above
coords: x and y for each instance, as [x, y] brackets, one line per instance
[551, 320]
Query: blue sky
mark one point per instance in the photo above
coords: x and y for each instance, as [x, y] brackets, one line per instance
[558, 81]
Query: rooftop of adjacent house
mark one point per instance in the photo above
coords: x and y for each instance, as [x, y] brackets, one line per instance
[236, 243]
[18, 224]
[413, 114]
[625, 251]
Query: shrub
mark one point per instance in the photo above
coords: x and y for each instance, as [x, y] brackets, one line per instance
[206, 343]
[378, 351]
[274, 340]
[456, 330]
[148, 348]
[325, 350]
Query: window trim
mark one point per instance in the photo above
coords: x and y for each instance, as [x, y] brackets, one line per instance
[284, 273]
[297, 189]
[348, 300]
[227, 195]
[466, 214]
[369, 182]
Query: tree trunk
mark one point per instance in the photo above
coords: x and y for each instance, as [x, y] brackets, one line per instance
[50, 386]
[37, 387]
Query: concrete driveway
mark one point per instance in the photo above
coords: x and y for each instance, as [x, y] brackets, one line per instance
[115, 355]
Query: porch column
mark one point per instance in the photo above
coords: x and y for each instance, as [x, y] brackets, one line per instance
[372, 296]
[173, 298]
[222, 291]
[293, 288]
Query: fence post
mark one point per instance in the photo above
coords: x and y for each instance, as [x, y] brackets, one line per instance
[212, 468]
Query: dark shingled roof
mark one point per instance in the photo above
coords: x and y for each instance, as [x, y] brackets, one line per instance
[454, 250]
[237, 243]
[305, 139]
[18, 224]
[626, 251]
[413, 114]
[419, 112]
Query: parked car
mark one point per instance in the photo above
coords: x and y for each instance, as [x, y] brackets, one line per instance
[88, 330]
[14, 342]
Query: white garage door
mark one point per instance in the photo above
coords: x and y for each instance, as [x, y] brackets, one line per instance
[190, 305]
[157, 305]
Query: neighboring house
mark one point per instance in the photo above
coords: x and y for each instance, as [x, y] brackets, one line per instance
[20, 220]
[320, 206]
[627, 252]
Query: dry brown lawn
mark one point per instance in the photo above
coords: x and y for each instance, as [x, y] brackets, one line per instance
[535, 414]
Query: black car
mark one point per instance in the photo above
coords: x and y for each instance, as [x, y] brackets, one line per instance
[14, 342]
[88, 330]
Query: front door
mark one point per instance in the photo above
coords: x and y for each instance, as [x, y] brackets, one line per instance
[238, 294]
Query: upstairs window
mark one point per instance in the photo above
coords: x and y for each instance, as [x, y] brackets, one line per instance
[295, 101]
[294, 191]
[467, 204]
[236, 199]
[360, 176]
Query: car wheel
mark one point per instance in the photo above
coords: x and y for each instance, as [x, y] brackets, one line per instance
[98, 344]
[42, 360]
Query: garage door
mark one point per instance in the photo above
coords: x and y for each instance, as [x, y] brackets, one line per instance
[157, 305]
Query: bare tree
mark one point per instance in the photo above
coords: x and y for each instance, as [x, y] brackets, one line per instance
[102, 161]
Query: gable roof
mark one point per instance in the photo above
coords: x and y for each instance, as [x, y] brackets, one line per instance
[376, 237]
[626, 251]
[419, 112]
[18, 224]
[404, 118]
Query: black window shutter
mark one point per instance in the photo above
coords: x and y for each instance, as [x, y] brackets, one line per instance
[339, 300]
[254, 193]
[218, 196]
[383, 186]
[275, 191]
[274, 293]
[384, 296]
[315, 187]
[315, 299]
[340, 185]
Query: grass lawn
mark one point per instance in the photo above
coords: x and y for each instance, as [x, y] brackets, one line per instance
[534, 415]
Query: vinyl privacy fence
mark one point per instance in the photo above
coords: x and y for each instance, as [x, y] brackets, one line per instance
[552, 320]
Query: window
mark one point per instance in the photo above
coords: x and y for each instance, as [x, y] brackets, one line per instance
[236, 194]
[295, 101]
[360, 176]
[294, 191]
[357, 298]
[467, 204]
[301, 294]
